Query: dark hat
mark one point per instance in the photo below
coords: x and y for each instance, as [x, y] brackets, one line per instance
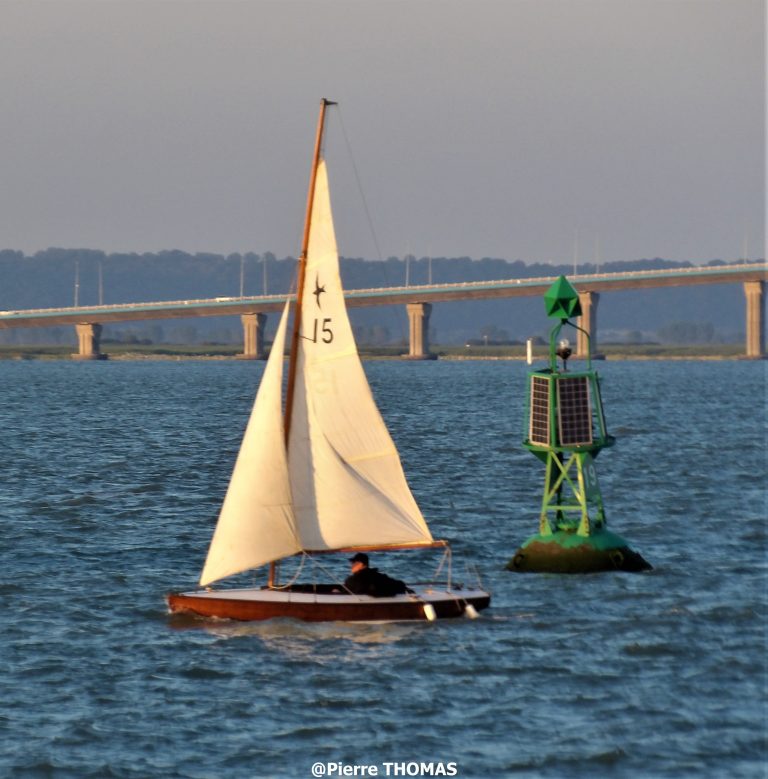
[360, 557]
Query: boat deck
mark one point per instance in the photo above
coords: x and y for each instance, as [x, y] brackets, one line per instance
[255, 603]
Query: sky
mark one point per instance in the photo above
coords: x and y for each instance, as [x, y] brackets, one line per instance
[540, 130]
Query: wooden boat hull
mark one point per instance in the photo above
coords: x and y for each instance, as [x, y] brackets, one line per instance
[259, 604]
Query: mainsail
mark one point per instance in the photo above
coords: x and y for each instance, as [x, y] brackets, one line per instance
[341, 483]
[347, 482]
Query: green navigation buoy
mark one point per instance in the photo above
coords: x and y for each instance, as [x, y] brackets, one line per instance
[566, 430]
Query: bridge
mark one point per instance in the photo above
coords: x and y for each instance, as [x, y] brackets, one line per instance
[88, 320]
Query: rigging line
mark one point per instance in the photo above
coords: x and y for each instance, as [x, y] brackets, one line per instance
[472, 569]
[399, 327]
[295, 576]
[359, 185]
[446, 556]
[328, 573]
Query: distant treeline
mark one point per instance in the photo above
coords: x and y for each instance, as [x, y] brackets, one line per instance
[65, 277]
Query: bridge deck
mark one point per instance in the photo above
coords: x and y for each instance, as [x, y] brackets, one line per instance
[471, 290]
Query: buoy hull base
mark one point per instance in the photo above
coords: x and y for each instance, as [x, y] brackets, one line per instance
[566, 552]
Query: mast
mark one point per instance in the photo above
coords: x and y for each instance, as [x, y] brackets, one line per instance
[296, 334]
[302, 271]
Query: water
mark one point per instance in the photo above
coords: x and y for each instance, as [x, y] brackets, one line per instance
[112, 476]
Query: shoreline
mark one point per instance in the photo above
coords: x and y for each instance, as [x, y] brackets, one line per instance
[671, 354]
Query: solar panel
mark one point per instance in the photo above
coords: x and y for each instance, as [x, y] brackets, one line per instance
[539, 424]
[574, 412]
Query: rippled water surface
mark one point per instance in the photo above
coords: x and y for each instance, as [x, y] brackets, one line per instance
[111, 480]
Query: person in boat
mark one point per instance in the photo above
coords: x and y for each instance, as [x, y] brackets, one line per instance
[370, 581]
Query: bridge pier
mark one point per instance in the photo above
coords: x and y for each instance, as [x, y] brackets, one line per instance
[253, 336]
[588, 322]
[418, 319]
[88, 341]
[755, 294]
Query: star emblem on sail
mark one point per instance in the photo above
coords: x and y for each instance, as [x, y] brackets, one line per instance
[318, 290]
[339, 483]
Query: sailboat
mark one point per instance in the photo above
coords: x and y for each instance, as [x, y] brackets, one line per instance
[319, 473]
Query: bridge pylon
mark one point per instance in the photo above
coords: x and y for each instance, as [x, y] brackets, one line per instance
[89, 342]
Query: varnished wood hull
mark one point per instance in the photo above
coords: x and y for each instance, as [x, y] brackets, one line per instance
[261, 604]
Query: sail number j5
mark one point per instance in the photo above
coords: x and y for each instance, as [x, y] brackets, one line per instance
[325, 333]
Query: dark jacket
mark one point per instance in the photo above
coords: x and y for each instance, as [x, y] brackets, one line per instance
[370, 581]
